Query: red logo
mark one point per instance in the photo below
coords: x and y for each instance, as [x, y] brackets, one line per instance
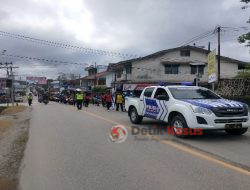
[118, 134]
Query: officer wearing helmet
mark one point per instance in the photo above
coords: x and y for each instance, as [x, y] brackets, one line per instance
[79, 98]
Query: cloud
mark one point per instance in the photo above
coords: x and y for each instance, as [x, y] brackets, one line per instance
[137, 27]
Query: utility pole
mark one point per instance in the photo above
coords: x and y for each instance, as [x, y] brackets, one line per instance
[12, 86]
[95, 75]
[10, 76]
[218, 30]
[80, 81]
[197, 76]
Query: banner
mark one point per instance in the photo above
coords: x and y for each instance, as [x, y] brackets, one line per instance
[212, 66]
[132, 87]
[129, 87]
[36, 80]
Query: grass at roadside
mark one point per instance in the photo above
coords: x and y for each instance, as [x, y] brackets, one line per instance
[4, 124]
[12, 165]
[14, 128]
[7, 184]
[12, 110]
[2, 108]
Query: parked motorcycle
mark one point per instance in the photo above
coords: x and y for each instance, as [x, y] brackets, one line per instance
[40, 99]
[46, 101]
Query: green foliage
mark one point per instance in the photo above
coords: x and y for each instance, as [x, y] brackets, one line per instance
[99, 89]
[245, 38]
[245, 73]
[245, 1]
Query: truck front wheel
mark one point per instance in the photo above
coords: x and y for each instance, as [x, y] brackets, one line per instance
[236, 131]
[179, 123]
[134, 117]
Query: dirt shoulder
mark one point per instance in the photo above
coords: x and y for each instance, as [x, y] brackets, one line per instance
[14, 130]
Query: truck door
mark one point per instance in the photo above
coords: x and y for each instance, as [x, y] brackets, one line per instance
[161, 98]
[148, 104]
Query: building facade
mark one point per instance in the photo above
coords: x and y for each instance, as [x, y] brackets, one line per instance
[3, 83]
[181, 64]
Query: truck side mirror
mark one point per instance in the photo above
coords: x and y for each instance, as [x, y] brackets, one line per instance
[162, 97]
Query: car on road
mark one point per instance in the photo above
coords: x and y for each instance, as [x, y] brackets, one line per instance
[189, 107]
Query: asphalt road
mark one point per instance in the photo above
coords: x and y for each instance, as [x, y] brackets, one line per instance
[69, 150]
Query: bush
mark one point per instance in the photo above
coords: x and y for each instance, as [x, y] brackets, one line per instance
[99, 89]
[245, 73]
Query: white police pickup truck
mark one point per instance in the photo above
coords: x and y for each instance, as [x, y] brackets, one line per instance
[189, 107]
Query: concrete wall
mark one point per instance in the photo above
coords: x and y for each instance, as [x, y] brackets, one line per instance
[2, 83]
[110, 77]
[234, 87]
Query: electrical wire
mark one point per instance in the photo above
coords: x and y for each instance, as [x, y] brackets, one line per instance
[42, 59]
[66, 46]
[211, 34]
[198, 37]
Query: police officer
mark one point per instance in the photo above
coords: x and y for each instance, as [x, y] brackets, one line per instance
[119, 101]
[79, 98]
[30, 98]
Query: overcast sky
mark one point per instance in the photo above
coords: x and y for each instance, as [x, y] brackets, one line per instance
[126, 26]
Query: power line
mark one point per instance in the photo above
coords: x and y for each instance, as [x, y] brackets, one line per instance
[29, 58]
[228, 35]
[235, 28]
[66, 46]
[210, 33]
[198, 37]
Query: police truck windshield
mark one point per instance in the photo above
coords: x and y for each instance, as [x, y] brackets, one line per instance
[192, 93]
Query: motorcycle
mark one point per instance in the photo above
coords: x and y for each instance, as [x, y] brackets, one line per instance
[40, 99]
[45, 101]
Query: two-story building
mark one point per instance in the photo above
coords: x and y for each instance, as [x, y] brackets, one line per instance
[2, 83]
[96, 77]
[179, 64]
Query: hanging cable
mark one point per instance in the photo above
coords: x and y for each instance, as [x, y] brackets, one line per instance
[66, 46]
[42, 59]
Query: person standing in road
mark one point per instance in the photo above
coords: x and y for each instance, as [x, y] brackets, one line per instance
[79, 99]
[113, 101]
[30, 98]
[108, 100]
[98, 100]
[87, 99]
[74, 99]
[119, 101]
[103, 97]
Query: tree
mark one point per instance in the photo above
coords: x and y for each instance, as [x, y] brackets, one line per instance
[245, 38]
[99, 89]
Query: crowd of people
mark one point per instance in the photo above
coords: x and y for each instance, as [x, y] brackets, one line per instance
[108, 100]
